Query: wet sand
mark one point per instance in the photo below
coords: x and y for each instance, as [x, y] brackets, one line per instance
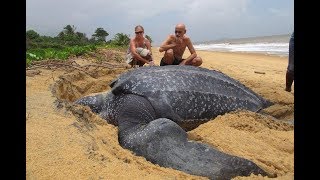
[66, 142]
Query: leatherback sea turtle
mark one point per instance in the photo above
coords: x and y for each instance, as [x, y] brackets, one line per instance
[153, 106]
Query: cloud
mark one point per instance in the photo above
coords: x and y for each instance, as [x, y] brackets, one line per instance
[205, 19]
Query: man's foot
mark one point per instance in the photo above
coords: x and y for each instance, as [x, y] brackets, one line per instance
[288, 89]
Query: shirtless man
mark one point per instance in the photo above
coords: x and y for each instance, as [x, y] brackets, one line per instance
[174, 47]
[139, 51]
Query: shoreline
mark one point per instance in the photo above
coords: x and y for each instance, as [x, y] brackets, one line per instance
[155, 49]
[245, 52]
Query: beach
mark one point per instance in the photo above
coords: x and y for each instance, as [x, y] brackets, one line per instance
[64, 142]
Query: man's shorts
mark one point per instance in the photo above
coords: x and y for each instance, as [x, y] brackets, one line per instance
[175, 62]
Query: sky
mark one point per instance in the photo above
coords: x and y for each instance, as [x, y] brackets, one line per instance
[205, 20]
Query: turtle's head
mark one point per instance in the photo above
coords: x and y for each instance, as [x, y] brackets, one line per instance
[96, 102]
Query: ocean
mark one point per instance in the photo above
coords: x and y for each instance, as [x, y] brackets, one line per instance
[272, 45]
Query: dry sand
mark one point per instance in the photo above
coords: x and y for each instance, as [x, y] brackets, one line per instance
[61, 144]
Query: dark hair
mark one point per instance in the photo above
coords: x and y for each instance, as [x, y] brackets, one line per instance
[139, 26]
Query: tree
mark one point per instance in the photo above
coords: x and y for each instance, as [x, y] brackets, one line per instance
[69, 30]
[149, 38]
[32, 35]
[100, 34]
[121, 39]
[82, 37]
[31, 38]
[60, 35]
[69, 36]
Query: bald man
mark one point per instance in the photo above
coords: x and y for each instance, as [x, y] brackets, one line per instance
[174, 47]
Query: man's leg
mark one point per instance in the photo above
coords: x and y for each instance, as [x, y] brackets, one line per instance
[140, 63]
[289, 80]
[136, 63]
[197, 61]
[290, 68]
[167, 58]
[133, 63]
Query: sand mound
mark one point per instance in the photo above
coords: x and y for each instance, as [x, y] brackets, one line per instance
[67, 141]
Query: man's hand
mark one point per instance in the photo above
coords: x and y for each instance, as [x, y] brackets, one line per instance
[183, 62]
[172, 45]
[151, 63]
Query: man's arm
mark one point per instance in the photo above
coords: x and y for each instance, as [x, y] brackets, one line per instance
[167, 44]
[148, 44]
[135, 54]
[192, 51]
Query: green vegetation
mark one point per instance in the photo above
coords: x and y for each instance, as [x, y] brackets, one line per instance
[61, 54]
[149, 38]
[69, 43]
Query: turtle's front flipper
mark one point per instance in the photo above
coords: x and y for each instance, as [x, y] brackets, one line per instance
[97, 102]
[163, 142]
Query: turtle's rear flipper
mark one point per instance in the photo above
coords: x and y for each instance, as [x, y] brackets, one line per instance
[165, 143]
